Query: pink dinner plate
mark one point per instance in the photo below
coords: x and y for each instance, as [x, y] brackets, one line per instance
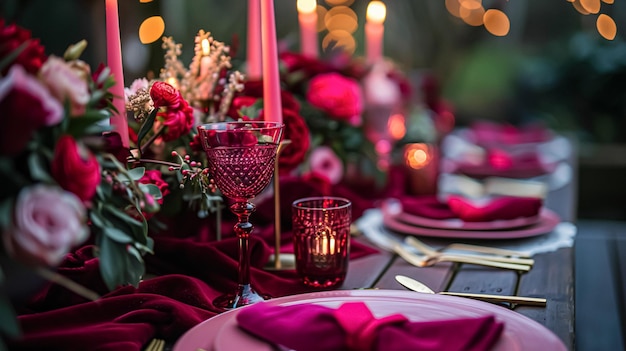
[546, 222]
[221, 332]
[459, 224]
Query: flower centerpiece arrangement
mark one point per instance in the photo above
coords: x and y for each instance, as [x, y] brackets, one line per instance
[64, 176]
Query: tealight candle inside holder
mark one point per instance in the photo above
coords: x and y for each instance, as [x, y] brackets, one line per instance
[321, 230]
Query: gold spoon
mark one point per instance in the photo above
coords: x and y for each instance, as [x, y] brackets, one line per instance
[418, 286]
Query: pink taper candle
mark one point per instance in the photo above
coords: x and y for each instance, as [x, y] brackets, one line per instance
[272, 107]
[374, 30]
[114, 61]
[307, 17]
[253, 64]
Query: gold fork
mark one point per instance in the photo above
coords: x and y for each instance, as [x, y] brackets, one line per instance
[425, 261]
[155, 345]
[430, 251]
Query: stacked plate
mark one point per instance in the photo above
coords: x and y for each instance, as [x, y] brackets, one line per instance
[398, 220]
[221, 332]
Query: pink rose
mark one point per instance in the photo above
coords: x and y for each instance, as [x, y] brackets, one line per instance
[324, 161]
[48, 222]
[26, 106]
[338, 96]
[65, 84]
[75, 168]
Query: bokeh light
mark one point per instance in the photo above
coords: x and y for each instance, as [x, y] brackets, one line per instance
[151, 29]
[471, 15]
[396, 126]
[339, 39]
[417, 155]
[497, 22]
[341, 18]
[591, 6]
[606, 27]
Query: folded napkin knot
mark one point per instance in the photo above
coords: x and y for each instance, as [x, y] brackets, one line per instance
[361, 326]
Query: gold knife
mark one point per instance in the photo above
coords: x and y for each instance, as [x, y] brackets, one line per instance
[418, 286]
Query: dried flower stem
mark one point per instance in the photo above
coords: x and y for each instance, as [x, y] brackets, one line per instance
[67, 283]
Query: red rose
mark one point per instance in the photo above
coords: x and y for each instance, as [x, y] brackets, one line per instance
[196, 143]
[298, 132]
[26, 106]
[179, 121]
[11, 37]
[75, 168]
[155, 177]
[164, 95]
[307, 65]
[338, 96]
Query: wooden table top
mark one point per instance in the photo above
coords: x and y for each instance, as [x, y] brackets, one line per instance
[551, 277]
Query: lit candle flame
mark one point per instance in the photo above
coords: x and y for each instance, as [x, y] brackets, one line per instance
[307, 6]
[417, 155]
[376, 12]
[206, 47]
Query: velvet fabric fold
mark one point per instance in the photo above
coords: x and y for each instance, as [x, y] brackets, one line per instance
[188, 270]
[458, 207]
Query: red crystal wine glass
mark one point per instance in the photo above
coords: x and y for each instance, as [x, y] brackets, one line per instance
[241, 158]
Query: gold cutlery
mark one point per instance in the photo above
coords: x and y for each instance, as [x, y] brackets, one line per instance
[430, 251]
[487, 250]
[418, 286]
[155, 345]
[426, 261]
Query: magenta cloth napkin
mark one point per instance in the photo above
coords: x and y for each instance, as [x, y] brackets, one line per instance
[485, 132]
[310, 327]
[500, 208]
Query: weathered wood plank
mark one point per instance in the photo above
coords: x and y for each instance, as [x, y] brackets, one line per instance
[484, 280]
[365, 271]
[552, 278]
[436, 277]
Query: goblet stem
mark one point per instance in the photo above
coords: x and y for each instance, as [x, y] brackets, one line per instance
[245, 295]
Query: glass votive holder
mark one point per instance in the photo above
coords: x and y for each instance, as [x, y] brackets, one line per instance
[321, 231]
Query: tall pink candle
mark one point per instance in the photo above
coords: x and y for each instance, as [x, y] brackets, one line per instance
[307, 17]
[271, 80]
[254, 66]
[114, 61]
[374, 31]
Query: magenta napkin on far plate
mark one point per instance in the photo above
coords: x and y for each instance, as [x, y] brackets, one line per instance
[310, 327]
[497, 208]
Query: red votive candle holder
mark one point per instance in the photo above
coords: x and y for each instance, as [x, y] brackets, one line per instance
[321, 230]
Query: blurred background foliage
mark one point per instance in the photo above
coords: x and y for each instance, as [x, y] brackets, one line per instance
[552, 67]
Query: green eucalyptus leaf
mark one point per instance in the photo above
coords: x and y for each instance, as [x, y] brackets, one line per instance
[136, 173]
[6, 212]
[89, 123]
[97, 219]
[38, 169]
[135, 267]
[117, 235]
[122, 215]
[151, 189]
[112, 258]
[8, 317]
[147, 126]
